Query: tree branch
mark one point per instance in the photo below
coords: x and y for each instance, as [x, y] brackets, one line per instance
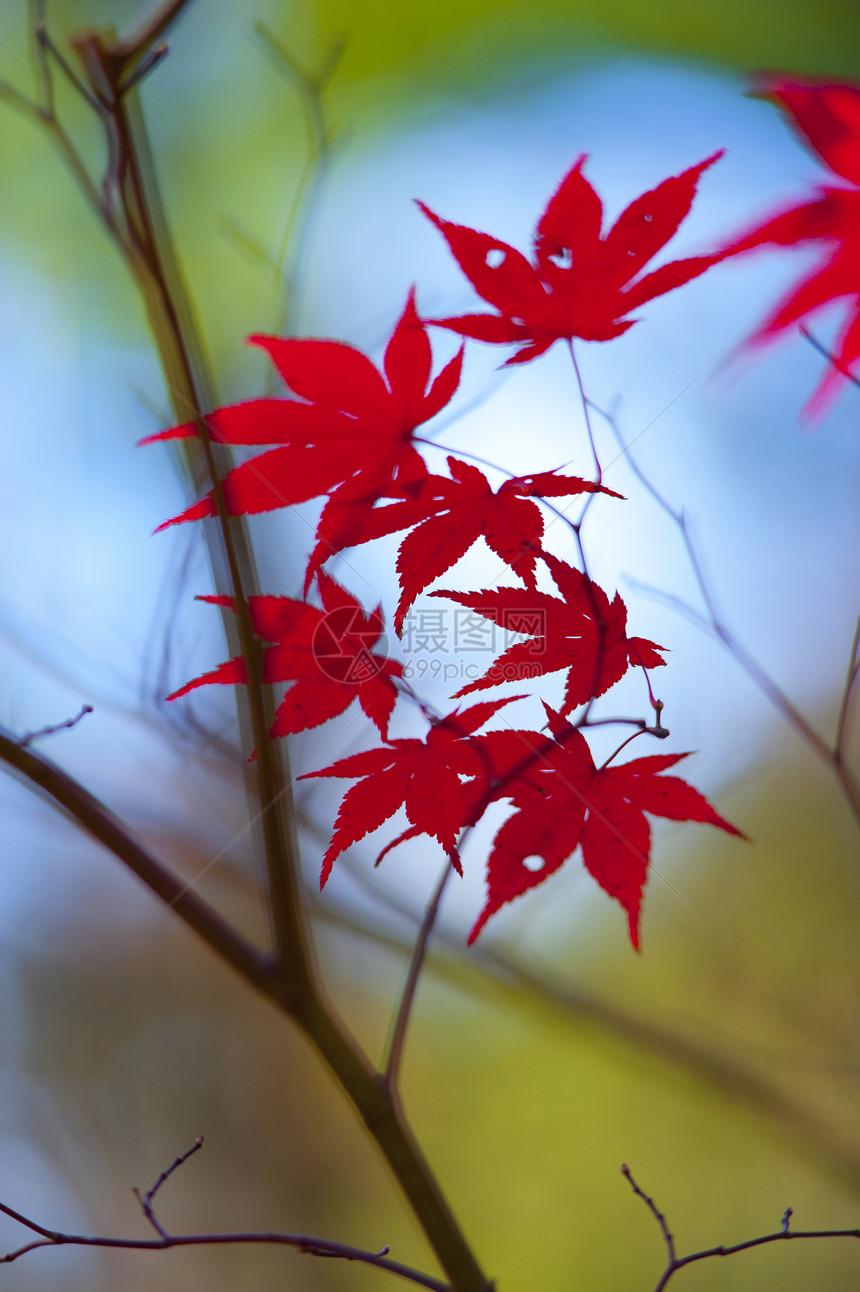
[93, 817]
[416, 963]
[675, 1263]
[522, 987]
[292, 979]
[302, 1242]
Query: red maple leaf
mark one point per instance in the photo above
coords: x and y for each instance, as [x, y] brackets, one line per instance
[827, 115]
[564, 801]
[579, 284]
[582, 632]
[326, 654]
[449, 516]
[424, 776]
[351, 439]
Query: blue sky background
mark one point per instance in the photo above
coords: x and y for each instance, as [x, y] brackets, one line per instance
[773, 506]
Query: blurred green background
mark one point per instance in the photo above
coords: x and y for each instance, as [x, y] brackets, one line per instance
[723, 1064]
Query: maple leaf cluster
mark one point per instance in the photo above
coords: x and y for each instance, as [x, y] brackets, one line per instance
[348, 432]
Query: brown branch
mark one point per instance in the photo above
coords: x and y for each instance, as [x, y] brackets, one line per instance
[153, 28]
[314, 1014]
[93, 817]
[146, 1199]
[302, 1242]
[153, 265]
[140, 231]
[523, 987]
[675, 1263]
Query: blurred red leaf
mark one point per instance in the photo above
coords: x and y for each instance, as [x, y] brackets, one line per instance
[827, 115]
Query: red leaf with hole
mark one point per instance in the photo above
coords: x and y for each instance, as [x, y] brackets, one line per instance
[352, 439]
[424, 776]
[565, 802]
[827, 115]
[326, 653]
[579, 284]
[582, 632]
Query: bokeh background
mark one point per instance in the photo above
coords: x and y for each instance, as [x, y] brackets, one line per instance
[722, 1064]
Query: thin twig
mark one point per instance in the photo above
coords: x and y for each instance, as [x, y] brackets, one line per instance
[586, 412]
[311, 87]
[398, 1034]
[146, 1199]
[59, 726]
[655, 1212]
[847, 691]
[304, 1243]
[151, 30]
[830, 357]
[714, 623]
[524, 987]
[45, 44]
[675, 1263]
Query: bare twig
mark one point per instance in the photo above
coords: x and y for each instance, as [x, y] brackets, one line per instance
[311, 86]
[668, 1239]
[523, 987]
[304, 1243]
[675, 1263]
[146, 1199]
[401, 1022]
[59, 726]
[45, 43]
[853, 673]
[713, 622]
[829, 356]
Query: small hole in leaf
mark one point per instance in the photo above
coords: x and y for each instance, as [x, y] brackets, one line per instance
[495, 258]
[647, 217]
[563, 258]
[534, 864]
[519, 322]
